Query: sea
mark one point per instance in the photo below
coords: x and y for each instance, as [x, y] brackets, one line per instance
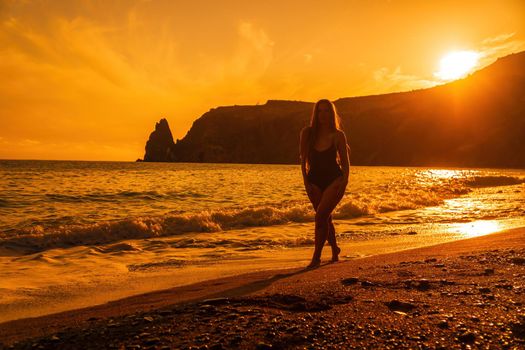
[71, 229]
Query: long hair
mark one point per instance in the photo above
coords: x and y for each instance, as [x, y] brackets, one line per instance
[335, 123]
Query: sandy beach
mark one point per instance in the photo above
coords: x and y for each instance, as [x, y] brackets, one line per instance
[461, 294]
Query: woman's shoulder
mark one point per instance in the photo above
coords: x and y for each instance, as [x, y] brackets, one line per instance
[339, 135]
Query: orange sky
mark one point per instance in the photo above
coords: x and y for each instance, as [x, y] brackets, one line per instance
[88, 79]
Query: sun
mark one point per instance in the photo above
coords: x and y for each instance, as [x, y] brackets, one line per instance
[457, 64]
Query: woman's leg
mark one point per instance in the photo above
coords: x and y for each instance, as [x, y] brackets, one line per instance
[329, 199]
[332, 240]
[315, 195]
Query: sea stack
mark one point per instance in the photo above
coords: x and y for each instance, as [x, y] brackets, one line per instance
[159, 147]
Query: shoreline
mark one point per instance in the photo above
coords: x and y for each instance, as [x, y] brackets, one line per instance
[72, 278]
[291, 281]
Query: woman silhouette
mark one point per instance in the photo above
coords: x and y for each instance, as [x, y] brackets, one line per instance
[325, 166]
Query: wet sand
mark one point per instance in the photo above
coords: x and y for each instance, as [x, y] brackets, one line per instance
[466, 293]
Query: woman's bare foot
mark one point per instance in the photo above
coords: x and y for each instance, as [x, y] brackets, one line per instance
[314, 264]
[335, 254]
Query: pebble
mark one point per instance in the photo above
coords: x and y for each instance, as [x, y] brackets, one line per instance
[518, 260]
[349, 281]
[397, 305]
[443, 324]
[400, 313]
[367, 284]
[467, 337]
[504, 286]
[152, 341]
[216, 301]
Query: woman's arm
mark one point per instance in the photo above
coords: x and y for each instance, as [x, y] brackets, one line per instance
[303, 147]
[344, 153]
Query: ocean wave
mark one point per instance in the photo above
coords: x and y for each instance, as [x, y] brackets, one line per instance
[493, 181]
[39, 238]
[120, 196]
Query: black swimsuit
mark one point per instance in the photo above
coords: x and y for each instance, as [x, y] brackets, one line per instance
[324, 168]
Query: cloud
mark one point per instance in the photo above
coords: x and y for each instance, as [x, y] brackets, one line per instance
[498, 38]
[29, 142]
[77, 69]
[395, 80]
[498, 46]
[254, 52]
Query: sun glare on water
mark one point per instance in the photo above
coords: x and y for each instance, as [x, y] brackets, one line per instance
[477, 228]
[457, 64]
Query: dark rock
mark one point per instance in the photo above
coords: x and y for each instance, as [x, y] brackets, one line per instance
[236, 340]
[443, 324]
[518, 329]
[216, 301]
[447, 283]
[160, 146]
[397, 305]
[152, 341]
[518, 260]
[489, 272]
[467, 337]
[421, 285]
[504, 286]
[349, 281]
[367, 284]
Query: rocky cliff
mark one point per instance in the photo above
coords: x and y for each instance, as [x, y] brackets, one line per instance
[477, 121]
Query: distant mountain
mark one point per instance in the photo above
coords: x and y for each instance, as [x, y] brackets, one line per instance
[478, 121]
